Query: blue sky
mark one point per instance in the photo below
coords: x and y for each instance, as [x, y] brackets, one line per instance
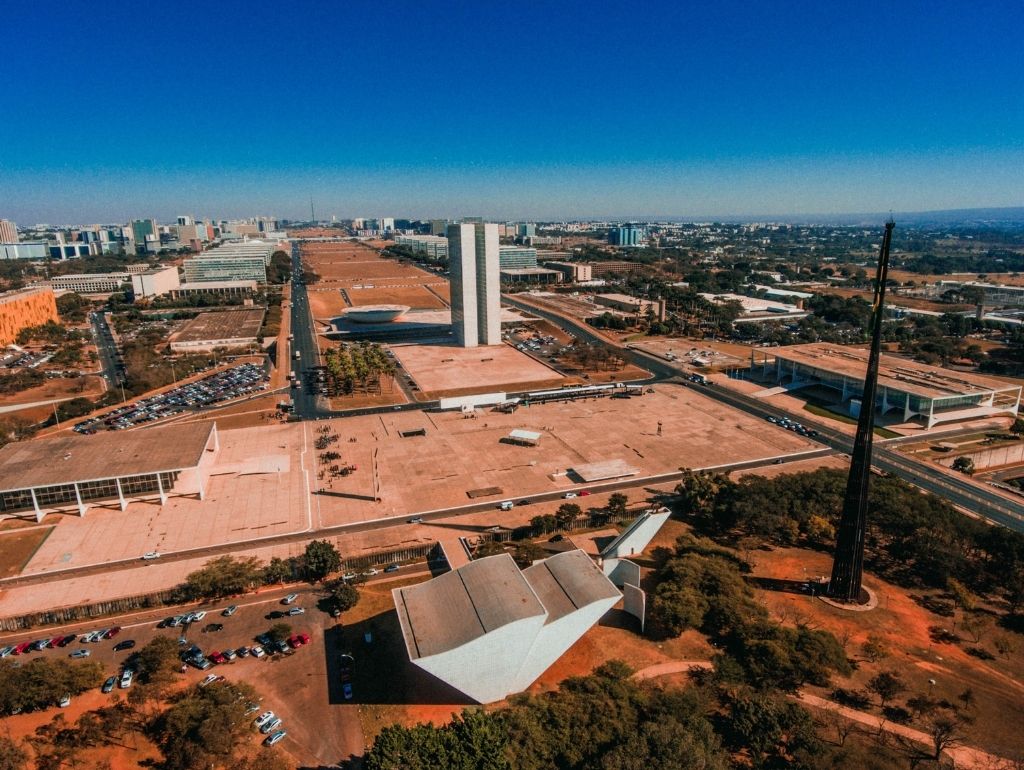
[529, 109]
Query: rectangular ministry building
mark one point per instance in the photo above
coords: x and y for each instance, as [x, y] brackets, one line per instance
[929, 393]
[475, 283]
[71, 472]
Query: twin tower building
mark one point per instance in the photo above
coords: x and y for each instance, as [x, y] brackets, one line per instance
[475, 283]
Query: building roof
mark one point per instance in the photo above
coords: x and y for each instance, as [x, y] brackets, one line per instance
[460, 606]
[524, 435]
[899, 374]
[221, 325]
[567, 582]
[65, 459]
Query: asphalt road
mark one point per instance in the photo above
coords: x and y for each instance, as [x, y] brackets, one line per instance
[384, 523]
[110, 357]
[961, 492]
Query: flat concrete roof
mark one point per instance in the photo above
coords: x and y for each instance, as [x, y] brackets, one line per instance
[894, 373]
[568, 581]
[606, 469]
[221, 325]
[460, 606]
[65, 459]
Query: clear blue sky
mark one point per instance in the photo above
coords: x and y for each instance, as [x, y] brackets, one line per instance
[513, 109]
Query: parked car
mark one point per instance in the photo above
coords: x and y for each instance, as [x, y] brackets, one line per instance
[272, 725]
[258, 651]
[263, 718]
[210, 628]
[230, 610]
[125, 644]
[110, 633]
[4, 652]
[83, 653]
[274, 738]
[67, 640]
[108, 686]
[371, 572]
[289, 598]
[217, 657]
[296, 611]
[391, 568]
[65, 701]
[208, 679]
[150, 555]
[569, 495]
[229, 654]
[197, 616]
[126, 678]
[264, 639]
[346, 690]
[242, 652]
[416, 520]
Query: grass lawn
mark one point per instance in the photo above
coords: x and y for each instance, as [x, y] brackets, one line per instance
[18, 546]
[821, 411]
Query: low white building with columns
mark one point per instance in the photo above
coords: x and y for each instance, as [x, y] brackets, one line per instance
[75, 473]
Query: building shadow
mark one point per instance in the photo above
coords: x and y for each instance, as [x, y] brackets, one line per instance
[382, 672]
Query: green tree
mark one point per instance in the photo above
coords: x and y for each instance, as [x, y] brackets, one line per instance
[280, 631]
[12, 755]
[1018, 426]
[617, 503]
[320, 559]
[875, 648]
[277, 571]
[543, 525]
[963, 465]
[343, 595]
[567, 513]
[223, 576]
[526, 553]
[886, 685]
[157, 661]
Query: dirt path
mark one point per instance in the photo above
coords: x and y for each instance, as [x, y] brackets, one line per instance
[962, 756]
[671, 667]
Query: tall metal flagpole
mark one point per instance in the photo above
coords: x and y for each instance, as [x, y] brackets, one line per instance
[848, 562]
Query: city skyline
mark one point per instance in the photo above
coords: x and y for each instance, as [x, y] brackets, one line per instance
[579, 111]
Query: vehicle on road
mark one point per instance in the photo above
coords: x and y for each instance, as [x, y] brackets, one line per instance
[346, 690]
[507, 505]
[391, 568]
[371, 572]
[230, 610]
[569, 495]
[81, 654]
[289, 598]
[348, 576]
[278, 736]
[150, 555]
[584, 493]
[416, 520]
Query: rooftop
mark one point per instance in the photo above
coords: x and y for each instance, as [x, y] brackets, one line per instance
[894, 373]
[460, 606]
[221, 325]
[66, 459]
[567, 582]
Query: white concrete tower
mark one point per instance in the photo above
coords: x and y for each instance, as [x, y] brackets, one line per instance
[476, 290]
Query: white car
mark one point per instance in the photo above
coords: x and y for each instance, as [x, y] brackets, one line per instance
[289, 598]
[126, 679]
[197, 616]
[258, 652]
[272, 725]
[263, 718]
[371, 572]
[208, 679]
[296, 611]
[150, 555]
[569, 495]
[65, 701]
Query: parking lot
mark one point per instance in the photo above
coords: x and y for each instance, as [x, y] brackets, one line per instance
[292, 684]
[216, 388]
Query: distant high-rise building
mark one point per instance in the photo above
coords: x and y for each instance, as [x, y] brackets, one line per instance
[8, 231]
[475, 284]
[626, 235]
[438, 226]
[526, 230]
[387, 224]
[185, 221]
[141, 228]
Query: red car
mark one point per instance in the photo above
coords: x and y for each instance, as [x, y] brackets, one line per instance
[112, 632]
[21, 648]
[584, 493]
[297, 640]
[216, 657]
